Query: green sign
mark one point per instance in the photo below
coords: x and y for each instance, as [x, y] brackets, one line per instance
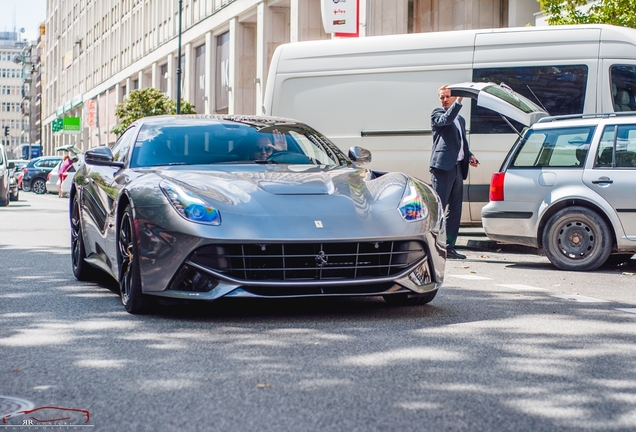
[57, 125]
[67, 125]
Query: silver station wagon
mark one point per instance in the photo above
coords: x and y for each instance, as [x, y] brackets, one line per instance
[568, 186]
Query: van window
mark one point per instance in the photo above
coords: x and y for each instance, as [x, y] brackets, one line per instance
[559, 89]
[623, 83]
[562, 148]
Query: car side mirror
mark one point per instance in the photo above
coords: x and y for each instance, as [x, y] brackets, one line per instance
[11, 165]
[359, 155]
[101, 156]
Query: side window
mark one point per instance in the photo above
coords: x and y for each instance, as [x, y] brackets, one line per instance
[617, 148]
[554, 148]
[623, 82]
[559, 89]
[122, 146]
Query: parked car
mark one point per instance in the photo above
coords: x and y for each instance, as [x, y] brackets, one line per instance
[34, 174]
[67, 178]
[182, 207]
[15, 179]
[6, 168]
[567, 187]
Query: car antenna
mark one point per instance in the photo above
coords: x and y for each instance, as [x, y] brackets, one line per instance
[538, 100]
[511, 126]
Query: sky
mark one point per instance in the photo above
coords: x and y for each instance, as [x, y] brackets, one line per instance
[28, 15]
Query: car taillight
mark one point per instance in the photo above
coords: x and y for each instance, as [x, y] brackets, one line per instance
[497, 187]
[48, 177]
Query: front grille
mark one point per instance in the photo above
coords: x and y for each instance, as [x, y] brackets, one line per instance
[310, 261]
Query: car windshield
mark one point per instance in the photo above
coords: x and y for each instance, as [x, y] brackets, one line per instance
[559, 147]
[197, 141]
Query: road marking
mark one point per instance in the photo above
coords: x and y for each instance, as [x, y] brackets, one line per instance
[470, 277]
[521, 287]
[629, 310]
[581, 299]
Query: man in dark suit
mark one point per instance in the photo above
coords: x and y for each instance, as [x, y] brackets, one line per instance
[450, 158]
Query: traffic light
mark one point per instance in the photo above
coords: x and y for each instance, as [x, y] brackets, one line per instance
[6, 131]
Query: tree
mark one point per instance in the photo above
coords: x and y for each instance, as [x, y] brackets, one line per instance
[144, 103]
[617, 12]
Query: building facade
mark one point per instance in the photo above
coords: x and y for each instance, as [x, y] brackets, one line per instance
[11, 123]
[97, 51]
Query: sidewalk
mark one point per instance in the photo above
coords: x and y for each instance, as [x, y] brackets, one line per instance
[474, 238]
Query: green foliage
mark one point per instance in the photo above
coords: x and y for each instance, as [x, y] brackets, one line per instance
[144, 103]
[617, 12]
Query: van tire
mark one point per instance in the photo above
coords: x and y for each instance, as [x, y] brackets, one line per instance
[577, 238]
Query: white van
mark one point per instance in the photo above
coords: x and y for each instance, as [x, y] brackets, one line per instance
[378, 92]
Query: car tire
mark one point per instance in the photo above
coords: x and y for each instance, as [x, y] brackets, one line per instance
[129, 277]
[15, 196]
[39, 186]
[577, 238]
[5, 202]
[410, 299]
[82, 270]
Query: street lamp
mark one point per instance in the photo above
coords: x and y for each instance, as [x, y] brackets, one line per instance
[179, 62]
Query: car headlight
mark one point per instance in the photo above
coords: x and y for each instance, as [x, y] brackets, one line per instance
[412, 207]
[190, 206]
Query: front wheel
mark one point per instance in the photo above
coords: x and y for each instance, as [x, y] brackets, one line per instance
[15, 196]
[410, 299]
[129, 274]
[39, 186]
[577, 238]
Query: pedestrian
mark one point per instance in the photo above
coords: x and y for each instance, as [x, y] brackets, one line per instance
[67, 162]
[450, 158]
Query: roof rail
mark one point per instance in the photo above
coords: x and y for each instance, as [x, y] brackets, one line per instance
[587, 116]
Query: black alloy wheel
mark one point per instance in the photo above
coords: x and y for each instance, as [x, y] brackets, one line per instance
[129, 275]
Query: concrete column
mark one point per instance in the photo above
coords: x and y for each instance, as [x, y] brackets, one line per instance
[154, 81]
[261, 66]
[232, 67]
[209, 83]
[171, 72]
[294, 20]
[187, 74]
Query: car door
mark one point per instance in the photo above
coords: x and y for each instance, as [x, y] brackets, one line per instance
[613, 176]
[100, 191]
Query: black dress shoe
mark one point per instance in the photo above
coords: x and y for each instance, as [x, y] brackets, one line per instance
[453, 254]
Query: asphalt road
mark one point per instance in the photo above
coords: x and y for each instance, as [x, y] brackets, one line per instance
[509, 344]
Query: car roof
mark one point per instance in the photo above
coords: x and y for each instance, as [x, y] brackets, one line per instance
[585, 119]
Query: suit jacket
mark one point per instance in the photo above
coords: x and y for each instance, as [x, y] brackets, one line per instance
[446, 139]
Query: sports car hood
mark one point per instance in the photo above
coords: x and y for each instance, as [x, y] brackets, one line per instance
[265, 184]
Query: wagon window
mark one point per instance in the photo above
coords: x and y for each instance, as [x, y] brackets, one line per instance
[562, 148]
